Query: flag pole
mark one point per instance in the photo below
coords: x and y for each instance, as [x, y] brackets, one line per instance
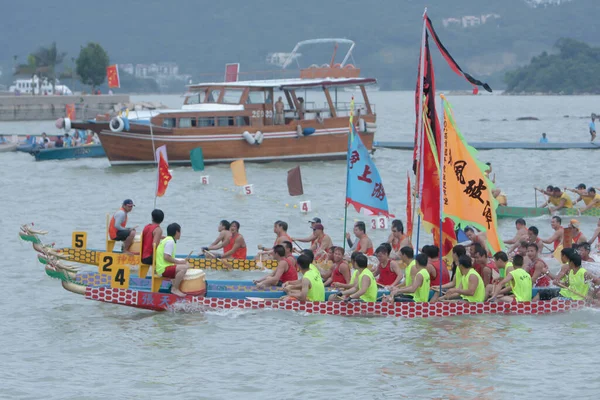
[154, 155]
[419, 142]
[350, 133]
[441, 174]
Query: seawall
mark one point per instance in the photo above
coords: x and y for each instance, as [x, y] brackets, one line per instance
[29, 108]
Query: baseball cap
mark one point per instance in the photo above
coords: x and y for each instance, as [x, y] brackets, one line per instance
[574, 223]
[318, 226]
[128, 202]
[580, 186]
[315, 220]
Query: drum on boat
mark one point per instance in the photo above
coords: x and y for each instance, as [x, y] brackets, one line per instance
[194, 282]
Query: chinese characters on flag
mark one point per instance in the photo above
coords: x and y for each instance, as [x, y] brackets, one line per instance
[164, 176]
[468, 198]
[365, 188]
[112, 76]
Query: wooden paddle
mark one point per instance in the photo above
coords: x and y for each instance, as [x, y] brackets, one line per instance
[570, 290]
[296, 243]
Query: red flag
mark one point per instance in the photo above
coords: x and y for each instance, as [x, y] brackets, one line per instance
[164, 176]
[70, 111]
[294, 182]
[232, 72]
[112, 76]
[409, 220]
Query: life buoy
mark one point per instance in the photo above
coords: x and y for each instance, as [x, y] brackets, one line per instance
[116, 124]
[248, 137]
[60, 123]
[362, 126]
[299, 130]
[258, 137]
[67, 124]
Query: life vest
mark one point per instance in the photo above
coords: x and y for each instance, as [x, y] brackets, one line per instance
[421, 295]
[440, 279]
[479, 295]
[576, 238]
[577, 284]
[147, 240]
[317, 290]
[161, 263]
[558, 241]
[112, 229]
[336, 275]
[521, 284]
[239, 254]
[368, 251]
[371, 293]
[544, 279]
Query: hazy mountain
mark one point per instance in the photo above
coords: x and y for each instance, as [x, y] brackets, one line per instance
[201, 36]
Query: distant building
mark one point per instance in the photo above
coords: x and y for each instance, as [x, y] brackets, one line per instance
[469, 20]
[127, 68]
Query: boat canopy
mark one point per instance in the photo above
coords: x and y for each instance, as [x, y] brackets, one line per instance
[295, 83]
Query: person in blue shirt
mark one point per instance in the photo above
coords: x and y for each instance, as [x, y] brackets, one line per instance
[543, 139]
[593, 127]
[67, 141]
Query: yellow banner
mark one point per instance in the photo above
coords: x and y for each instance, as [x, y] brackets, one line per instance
[468, 198]
[239, 173]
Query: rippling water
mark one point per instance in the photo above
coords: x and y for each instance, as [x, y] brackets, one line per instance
[58, 345]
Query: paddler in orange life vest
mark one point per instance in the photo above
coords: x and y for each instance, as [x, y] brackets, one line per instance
[236, 248]
[151, 236]
[117, 229]
[223, 238]
[576, 234]
[363, 243]
[282, 274]
[557, 237]
[397, 239]
[321, 244]
[388, 272]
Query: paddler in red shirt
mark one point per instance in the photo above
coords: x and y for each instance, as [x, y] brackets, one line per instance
[540, 276]
[557, 237]
[433, 266]
[152, 235]
[341, 269]
[363, 243]
[282, 274]
[388, 272]
[533, 232]
[485, 268]
[223, 238]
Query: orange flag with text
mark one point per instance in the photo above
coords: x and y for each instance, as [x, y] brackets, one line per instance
[468, 198]
[164, 176]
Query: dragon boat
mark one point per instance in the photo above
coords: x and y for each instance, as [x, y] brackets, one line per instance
[117, 287]
[531, 212]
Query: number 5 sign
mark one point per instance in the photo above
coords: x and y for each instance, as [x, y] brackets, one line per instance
[249, 190]
[79, 240]
[379, 223]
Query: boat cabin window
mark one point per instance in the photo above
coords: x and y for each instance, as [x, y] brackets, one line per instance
[187, 122]
[213, 96]
[256, 97]
[242, 121]
[232, 96]
[169, 122]
[225, 121]
[206, 121]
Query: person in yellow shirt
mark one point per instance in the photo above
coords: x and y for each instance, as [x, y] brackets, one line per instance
[312, 284]
[578, 278]
[559, 200]
[592, 200]
[420, 285]
[365, 287]
[518, 281]
[472, 289]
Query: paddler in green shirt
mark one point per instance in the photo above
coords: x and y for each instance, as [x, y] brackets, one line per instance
[419, 288]
[519, 284]
[407, 256]
[365, 287]
[312, 283]
[456, 282]
[474, 289]
[578, 279]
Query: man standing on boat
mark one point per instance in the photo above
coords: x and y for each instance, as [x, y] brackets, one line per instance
[593, 127]
[557, 237]
[223, 238]
[151, 236]
[279, 108]
[300, 108]
[282, 274]
[312, 288]
[363, 243]
[167, 265]
[117, 229]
